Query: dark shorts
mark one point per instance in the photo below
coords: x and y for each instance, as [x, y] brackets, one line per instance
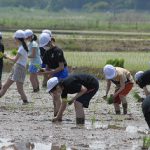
[85, 99]
[146, 109]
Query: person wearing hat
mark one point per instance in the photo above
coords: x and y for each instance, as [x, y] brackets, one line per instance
[123, 80]
[56, 65]
[1, 58]
[35, 58]
[42, 50]
[18, 72]
[142, 79]
[84, 85]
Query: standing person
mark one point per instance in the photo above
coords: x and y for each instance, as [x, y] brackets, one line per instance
[35, 59]
[1, 59]
[42, 50]
[18, 72]
[56, 65]
[84, 85]
[123, 80]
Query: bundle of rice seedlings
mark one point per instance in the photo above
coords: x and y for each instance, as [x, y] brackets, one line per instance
[110, 99]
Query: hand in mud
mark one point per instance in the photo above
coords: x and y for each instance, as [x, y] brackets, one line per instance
[70, 102]
[55, 119]
[105, 97]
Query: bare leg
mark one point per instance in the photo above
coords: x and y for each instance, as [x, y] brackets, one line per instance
[5, 87]
[45, 78]
[21, 91]
[124, 104]
[80, 116]
[33, 80]
[117, 108]
[56, 103]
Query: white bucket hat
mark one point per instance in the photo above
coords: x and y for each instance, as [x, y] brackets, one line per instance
[44, 39]
[51, 83]
[138, 75]
[19, 34]
[109, 71]
[28, 33]
[48, 32]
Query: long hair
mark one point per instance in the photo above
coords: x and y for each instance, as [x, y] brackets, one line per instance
[23, 44]
[34, 38]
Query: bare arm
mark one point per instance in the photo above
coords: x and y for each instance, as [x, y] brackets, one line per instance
[108, 87]
[146, 91]
[14, 59]
[33, 53]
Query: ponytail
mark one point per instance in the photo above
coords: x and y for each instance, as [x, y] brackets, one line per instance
[34, 38]
[23, 44]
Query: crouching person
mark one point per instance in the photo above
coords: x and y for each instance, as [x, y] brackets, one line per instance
[146, 110]
[142, 79]
[84, 85]
[124, 82]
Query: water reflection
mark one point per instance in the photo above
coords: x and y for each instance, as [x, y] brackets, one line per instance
[6, 144]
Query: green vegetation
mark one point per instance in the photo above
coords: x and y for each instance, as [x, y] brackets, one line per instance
[98, 59]
[146, 142]
[110, 99]
[116, 62]
[137, 96]
[14, 52]
[68, 20]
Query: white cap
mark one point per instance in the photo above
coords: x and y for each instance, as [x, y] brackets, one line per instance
[19, 34]
[0, 34]
[48, 32]
[109, 71]
[138, 75]
[44, 39]
[51, 83]
[28, 33]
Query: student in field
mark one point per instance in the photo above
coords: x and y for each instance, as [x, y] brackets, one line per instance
[142, 79]
[18, 72]
[1, 58]
[124, 82]
[56, 65]
[44, 84]
[85, 86]
[35, 58]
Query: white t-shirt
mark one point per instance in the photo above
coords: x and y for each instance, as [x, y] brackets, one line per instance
[24, 56]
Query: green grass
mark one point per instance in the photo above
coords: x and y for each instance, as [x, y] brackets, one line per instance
[134, 61]
[39, 19]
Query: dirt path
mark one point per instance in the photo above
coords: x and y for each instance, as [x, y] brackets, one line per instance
[103, 130]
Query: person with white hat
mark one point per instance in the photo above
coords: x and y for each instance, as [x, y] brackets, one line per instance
[84, 86]
[18, 72]
[123, 80]
[142, 79]
[1, 58]
[42, 50]
[35, 58]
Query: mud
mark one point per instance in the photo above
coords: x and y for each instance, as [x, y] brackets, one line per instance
[30, 127]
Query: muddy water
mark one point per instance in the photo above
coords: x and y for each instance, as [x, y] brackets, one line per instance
[103, 130]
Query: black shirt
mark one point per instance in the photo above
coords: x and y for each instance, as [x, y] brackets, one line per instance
[73, 83]
[1, 49]
[53, 57]
[144, 79]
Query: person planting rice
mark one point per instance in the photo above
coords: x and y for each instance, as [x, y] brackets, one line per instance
[1, 58]
[35, 59]
[56, 65]
[18, 72]
[42, 50]
[124, 82]
[142, 79]
[84, 85]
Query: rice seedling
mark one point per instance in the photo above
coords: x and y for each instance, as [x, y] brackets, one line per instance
[110, 99]
[137, 96]
[146, 142]
[14, 52]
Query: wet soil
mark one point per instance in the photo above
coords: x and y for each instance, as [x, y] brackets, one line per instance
[24, 125]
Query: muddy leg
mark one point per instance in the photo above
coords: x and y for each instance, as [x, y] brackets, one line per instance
[80, 116]
[124, 104]
[117, 108]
